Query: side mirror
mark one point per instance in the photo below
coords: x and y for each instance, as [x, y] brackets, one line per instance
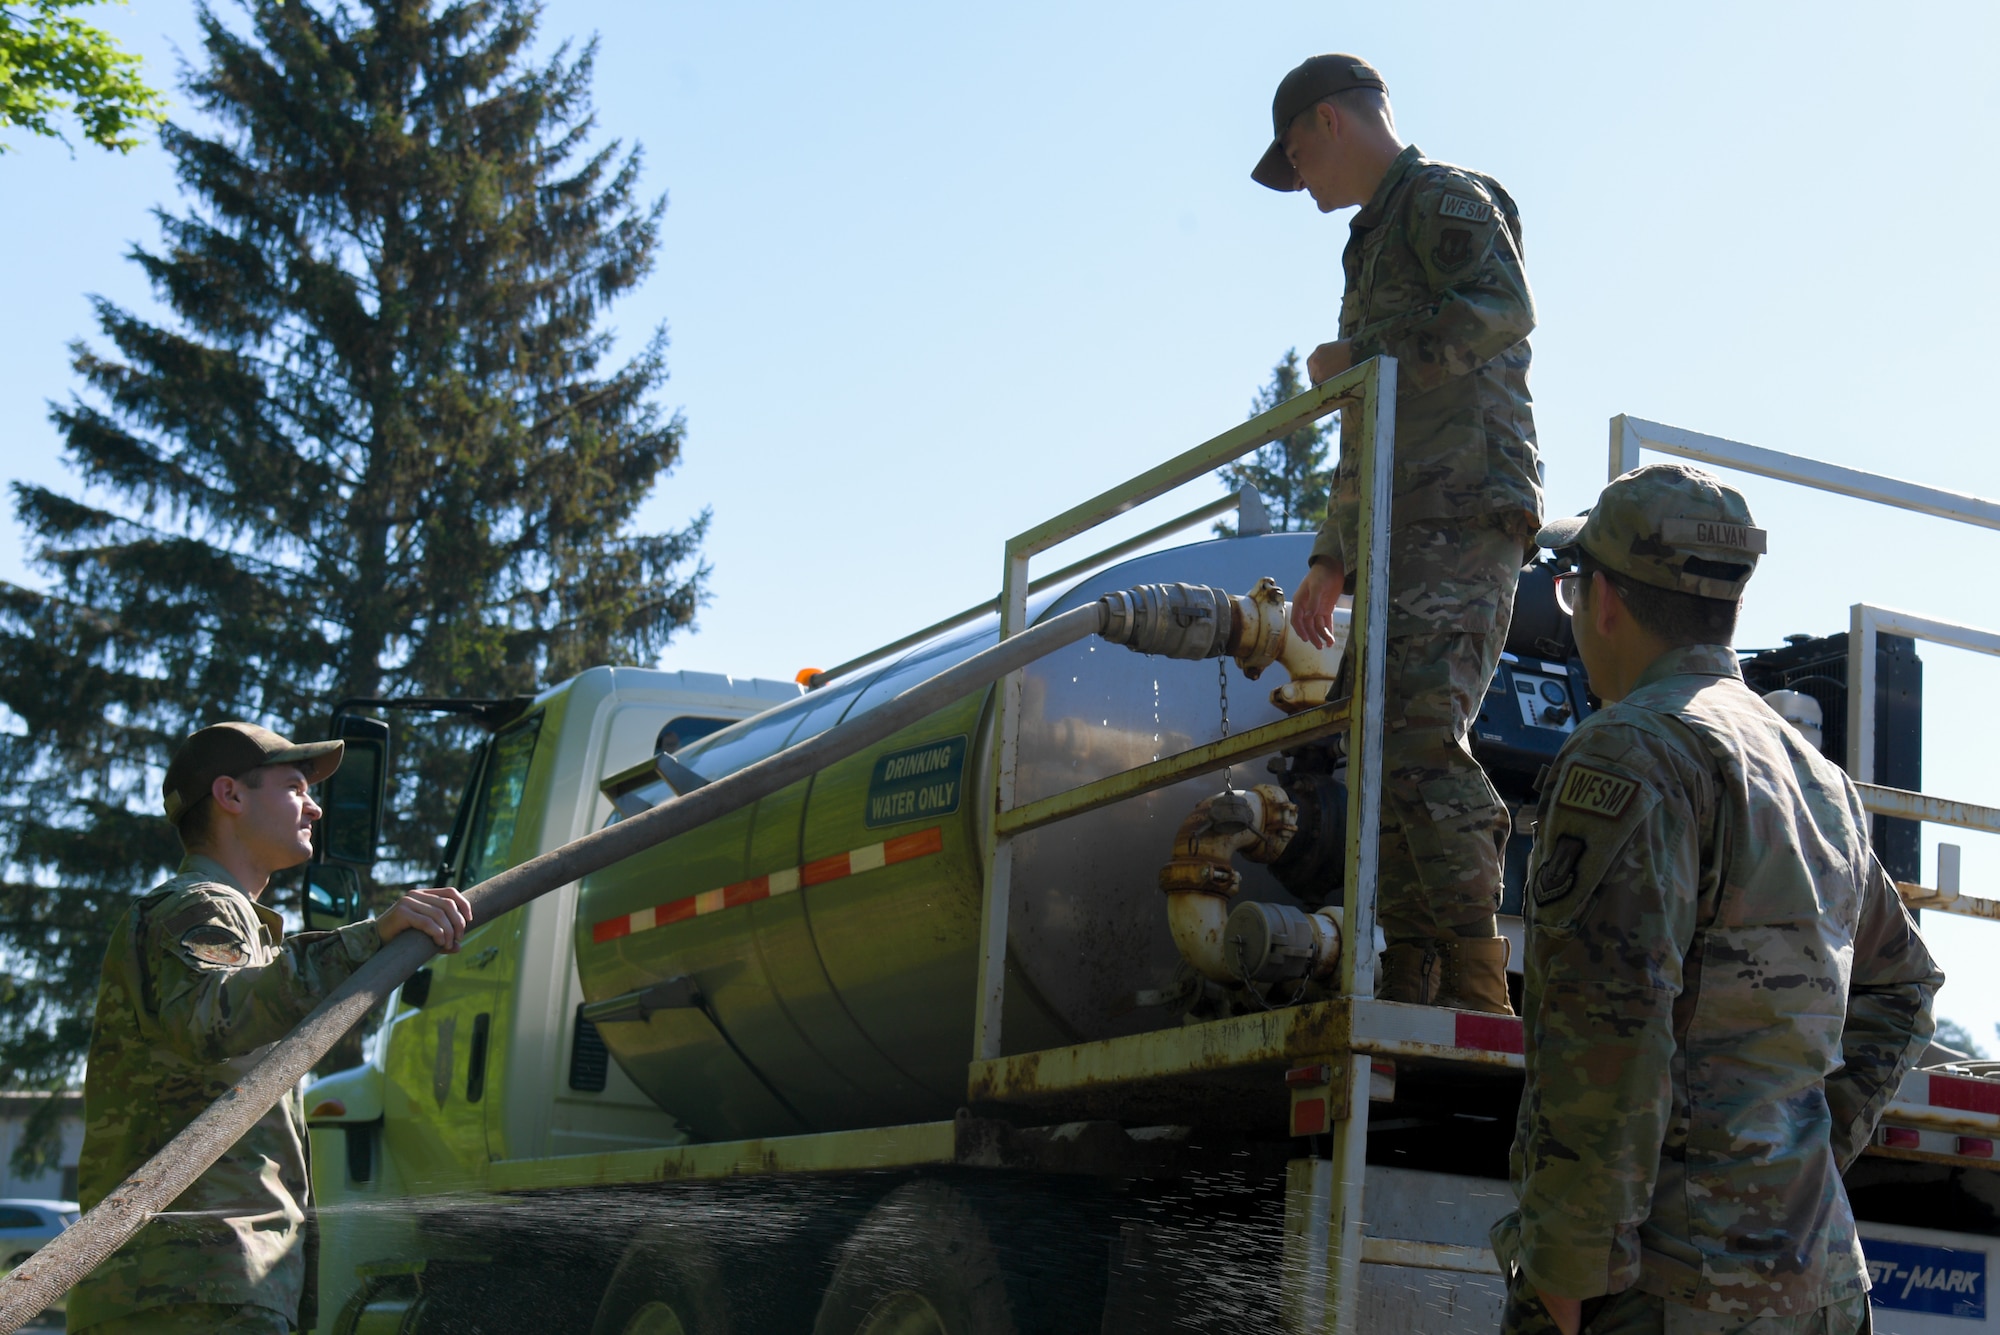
[354, 796]
[333, 896]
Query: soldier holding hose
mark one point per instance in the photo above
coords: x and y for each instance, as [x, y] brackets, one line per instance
[1435, 279]
[198, 981]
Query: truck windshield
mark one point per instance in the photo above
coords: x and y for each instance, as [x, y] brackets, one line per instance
[490, 847]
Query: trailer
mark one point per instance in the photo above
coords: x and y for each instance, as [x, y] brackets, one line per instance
[919, 1046]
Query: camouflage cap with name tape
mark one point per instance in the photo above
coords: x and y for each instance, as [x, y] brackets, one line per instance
[1313, 82]
[232, 750]
[1670, 526]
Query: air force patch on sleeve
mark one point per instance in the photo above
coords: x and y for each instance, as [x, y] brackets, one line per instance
[212, 943]
[1596, 792]
[1557, 876]
[1465, 207]
[1454, 248]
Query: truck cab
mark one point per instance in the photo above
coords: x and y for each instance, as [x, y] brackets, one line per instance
[481, 1056]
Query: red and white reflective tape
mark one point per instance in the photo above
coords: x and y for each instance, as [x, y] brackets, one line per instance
[1487, 1033]
[1963, 1093]
[903, 848]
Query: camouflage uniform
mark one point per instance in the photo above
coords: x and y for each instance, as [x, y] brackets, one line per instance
[198, 981]
[1723, 988]
[1435, 279]
[1635, 1312]
[1442, 822]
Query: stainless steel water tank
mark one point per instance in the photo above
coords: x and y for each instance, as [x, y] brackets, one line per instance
[829, 932]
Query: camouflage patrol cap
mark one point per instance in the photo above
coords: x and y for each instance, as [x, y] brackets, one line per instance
[232, 749]
[1313, 82]
[1670, 526]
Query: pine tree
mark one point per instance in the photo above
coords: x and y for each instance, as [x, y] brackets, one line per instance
[378, 449]
[1291, 471]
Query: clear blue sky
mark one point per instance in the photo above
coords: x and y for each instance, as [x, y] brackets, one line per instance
[934, 273]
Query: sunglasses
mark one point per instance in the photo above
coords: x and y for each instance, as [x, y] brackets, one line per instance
[1569, 586]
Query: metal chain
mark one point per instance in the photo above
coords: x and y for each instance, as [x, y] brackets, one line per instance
[1222, 682]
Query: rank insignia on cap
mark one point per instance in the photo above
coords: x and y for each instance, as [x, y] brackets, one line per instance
[213, 944]
[1596, 792]
[1464, 206]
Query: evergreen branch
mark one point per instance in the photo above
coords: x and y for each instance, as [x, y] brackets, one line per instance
[51, 62]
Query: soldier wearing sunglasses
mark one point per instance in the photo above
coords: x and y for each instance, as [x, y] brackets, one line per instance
[1722, 987]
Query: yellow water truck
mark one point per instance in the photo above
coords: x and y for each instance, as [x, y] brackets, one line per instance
[1016, 980]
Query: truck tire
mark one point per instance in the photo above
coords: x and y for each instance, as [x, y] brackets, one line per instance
[669, 1283]
[921, 1263]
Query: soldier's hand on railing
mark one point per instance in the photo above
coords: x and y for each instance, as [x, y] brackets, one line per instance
[442, 914]
[1329, 360]
[1313, 604]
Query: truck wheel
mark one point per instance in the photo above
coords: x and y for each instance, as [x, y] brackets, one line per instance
[669, 1283]
[921, 1263]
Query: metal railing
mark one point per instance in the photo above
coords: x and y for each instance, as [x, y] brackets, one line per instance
[1864, 624]
[1246, 502]
[1631, 435]
[1327, 1294]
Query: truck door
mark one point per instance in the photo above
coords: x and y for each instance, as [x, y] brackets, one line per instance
[445, 1059]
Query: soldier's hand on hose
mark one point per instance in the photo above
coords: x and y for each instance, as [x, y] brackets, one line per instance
[442, 914]
[1312, 605]
[1329, 360]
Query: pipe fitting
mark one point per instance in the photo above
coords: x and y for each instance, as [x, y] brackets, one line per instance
[1197, 621]
[1199, 880]
[1277, 943]
[1172, 620]
[1263, 636]
[1312, 670]
[1262, 625]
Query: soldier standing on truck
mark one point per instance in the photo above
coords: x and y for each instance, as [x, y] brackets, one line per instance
[1435, 279]
[1723, 987]
[198, 980]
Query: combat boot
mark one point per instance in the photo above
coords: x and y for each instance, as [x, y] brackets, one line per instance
[1472, 974]
[1408, 971]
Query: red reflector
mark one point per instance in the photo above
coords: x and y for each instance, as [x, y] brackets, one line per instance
[1308, 1117]
[1309, 1075]
[1900, 1138]
[329, 1108]
[1975, 1147]
[1956, 1091]
[1488, 1033]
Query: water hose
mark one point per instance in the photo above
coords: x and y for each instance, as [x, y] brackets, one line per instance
[50, 1272]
